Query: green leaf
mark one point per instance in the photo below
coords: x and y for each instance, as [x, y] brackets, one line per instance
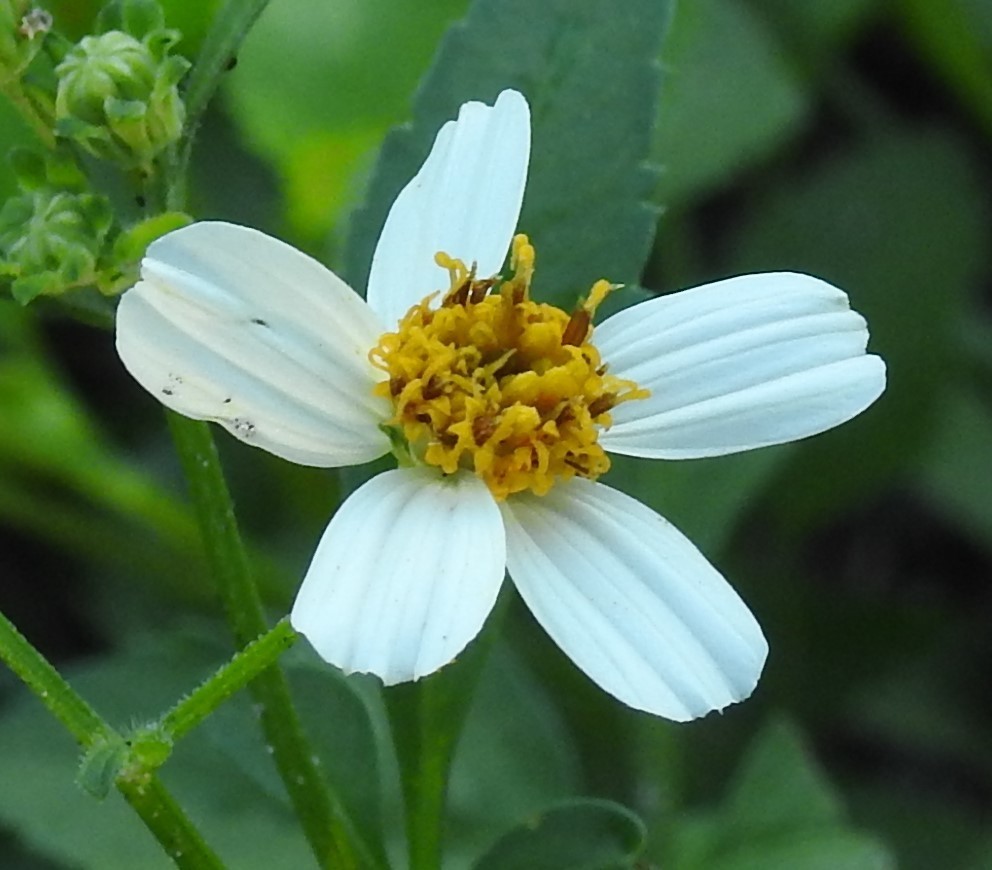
[724, 66]
[781, 811]
[586, 203]
[926, 829]
[512, 759]
[576, 835]
[320, 119]
[810, 850]
[100, 765]
[812, 33]
[779, 787]
[895, 222]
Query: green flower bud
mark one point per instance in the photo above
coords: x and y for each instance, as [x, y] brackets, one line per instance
[51, 240]
[118, 96]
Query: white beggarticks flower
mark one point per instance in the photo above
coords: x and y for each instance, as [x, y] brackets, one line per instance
[500, 409]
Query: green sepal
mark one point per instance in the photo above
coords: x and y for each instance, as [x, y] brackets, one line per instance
[29, 287]
[124, 110]
[172, 71]
[71, 127]
[75, 264]
[161, 42]
[398, 444]
[101, 764]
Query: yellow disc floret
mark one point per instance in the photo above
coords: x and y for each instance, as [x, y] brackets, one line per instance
[492, 381]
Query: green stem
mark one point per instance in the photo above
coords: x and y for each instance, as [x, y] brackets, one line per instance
[219, 49]
[229, 679]
[170, 825]
[142, 790]
[328, 830]
[426, 719]
[31, 115]
[62, 701]
[424, 753]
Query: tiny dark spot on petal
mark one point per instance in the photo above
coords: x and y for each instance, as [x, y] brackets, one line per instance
[227, 401]
[244, 428]
[258, 321]
[166, 391]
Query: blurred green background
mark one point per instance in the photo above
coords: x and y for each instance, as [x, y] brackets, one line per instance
[850, 139]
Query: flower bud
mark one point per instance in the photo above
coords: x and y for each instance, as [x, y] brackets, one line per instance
[118, 97]
[51, 239]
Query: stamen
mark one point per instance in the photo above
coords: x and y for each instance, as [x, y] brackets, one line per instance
[577, 328]
[602, 404]
[493, 382]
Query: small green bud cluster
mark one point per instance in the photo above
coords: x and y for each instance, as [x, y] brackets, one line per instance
[59, 236]
[118, 93]
[115, 95]
[52, 235]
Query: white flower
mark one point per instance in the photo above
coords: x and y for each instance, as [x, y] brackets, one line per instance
[230, 325]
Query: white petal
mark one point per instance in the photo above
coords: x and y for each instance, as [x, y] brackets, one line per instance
[631, 601]
[404, 576]
[465, 201]
[230, 325]
[738, 364]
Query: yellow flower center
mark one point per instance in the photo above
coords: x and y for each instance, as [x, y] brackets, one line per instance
[492, 381]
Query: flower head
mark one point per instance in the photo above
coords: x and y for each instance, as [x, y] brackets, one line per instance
[501, 409]
[118, 96]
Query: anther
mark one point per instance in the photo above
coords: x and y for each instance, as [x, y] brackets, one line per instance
[576, 329]
[482, 429]
[458, 296]
[602, 404]
[433, 388]
[480, 289]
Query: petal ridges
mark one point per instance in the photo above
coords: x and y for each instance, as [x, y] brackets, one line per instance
[404, 576]
[631, 601]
